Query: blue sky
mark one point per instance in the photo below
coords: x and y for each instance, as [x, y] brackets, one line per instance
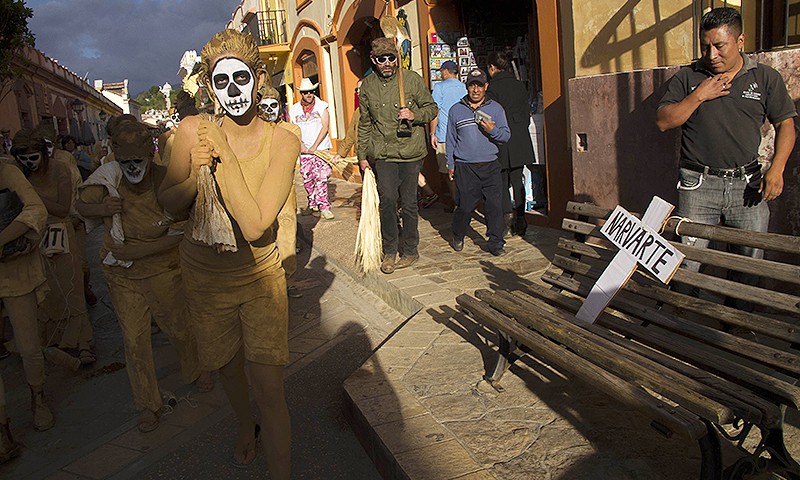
[141, 40]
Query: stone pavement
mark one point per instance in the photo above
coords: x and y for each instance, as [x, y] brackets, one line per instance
[332, 330]
[416, 398]
[419, 404]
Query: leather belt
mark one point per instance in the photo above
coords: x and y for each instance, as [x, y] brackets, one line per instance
[738, 172]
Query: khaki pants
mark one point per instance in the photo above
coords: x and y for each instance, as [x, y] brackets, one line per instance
[137, 301]
[22, 312]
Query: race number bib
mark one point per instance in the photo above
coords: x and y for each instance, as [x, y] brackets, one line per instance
[54, 240]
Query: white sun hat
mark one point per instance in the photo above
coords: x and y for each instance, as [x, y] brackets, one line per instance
[307, 86]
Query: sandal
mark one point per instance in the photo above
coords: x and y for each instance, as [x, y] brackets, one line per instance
[249, 449]
[148, 421]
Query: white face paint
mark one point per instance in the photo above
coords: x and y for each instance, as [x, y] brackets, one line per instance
[50, 147]
[133, 170]
[271, 109]
[30, 161]
[232, 82]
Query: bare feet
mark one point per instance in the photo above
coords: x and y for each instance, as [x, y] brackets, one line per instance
[245, 451]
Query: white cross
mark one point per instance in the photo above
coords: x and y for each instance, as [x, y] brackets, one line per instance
[621, 268]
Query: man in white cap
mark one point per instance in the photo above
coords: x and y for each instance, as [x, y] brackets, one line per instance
[312, 116]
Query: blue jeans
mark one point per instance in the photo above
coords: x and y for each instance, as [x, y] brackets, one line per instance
[728, 202]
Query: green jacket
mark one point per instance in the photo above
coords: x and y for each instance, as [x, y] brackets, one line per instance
[379, 102]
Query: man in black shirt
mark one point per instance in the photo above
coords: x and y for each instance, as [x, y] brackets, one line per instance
[720, 102]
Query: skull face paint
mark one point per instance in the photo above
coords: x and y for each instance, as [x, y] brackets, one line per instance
[29, 161]
[271, 109]
[50, 147]
[233, 82]
[133, 170]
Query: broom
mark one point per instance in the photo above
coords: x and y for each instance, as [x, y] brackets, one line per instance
[340, 164]
[392, 28]
[369, 248]
[212, 225]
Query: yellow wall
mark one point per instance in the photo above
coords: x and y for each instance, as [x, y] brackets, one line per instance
[624, 35]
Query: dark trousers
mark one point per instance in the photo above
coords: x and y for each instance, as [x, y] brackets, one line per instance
[397, 186]
[476, 182]
[513, 178]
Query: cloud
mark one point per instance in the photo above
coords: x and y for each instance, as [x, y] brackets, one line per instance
[112, 40]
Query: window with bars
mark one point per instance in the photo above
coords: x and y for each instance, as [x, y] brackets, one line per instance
[768, 24]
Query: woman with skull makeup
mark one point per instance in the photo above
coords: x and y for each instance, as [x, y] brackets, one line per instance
[63, 317]
[23, 284]
[141, 268]
[286, 234]
[238, 298]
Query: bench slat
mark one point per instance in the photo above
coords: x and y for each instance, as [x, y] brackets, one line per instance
[761, 296]
[756, 266]
[675, 419]
[612, 357]
[765, 268]
[768, 241]
[773, 328]
[786, 361]
[687, 350]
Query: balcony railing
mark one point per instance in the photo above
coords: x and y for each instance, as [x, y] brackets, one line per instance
[267, 27]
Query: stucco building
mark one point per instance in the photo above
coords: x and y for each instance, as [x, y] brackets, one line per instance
[594, 72]
[49, 92]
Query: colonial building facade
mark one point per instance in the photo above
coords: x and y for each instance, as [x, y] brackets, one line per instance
[594, 72]
[49, 92]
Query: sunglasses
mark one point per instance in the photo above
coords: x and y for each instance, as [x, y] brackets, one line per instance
[385, 58]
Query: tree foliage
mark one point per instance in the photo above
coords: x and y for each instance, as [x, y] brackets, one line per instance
[152, 99]
[14, 34]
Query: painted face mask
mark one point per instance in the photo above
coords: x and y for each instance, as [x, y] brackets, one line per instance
[133, 170]
[50, 147]
[232, 82]
[30, 161]
[271, 109]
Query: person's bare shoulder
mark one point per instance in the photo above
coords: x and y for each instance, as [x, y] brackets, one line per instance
[188, 126]
[290, 127]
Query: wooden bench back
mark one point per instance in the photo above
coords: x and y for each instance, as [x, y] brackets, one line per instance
[781, 279]
[580, 261]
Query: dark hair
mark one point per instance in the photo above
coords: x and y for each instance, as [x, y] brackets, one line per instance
[501, 59]
[65, 140]
[723, 16]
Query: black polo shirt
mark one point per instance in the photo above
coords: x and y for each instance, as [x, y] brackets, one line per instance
[725, 132]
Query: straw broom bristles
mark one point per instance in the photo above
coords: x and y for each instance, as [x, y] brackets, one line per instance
[340, 164]
[212, 225]
[369, 248]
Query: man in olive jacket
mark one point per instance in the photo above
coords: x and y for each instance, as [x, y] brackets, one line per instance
[396, 159]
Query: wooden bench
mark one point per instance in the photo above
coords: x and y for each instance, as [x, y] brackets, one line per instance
[696, 368]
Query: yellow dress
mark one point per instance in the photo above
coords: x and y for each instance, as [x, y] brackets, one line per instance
[238, 298]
